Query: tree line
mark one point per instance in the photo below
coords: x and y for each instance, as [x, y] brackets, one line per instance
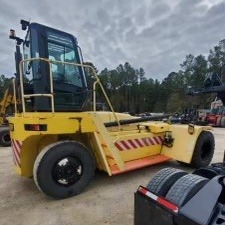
[130, 90]
[4, 84]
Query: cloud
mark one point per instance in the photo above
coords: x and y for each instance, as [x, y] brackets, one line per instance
[155, 35]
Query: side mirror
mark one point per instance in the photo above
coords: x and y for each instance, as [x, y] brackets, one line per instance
[24, 24]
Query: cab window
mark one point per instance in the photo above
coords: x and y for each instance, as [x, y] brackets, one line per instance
[61, 49]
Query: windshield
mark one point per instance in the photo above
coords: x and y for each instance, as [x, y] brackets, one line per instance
[61, 48]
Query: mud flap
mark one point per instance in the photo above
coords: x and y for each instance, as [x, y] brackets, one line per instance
[147, 212]
[151, 209]
[202, 209]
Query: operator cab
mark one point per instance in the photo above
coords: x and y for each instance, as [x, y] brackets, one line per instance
[69, 81]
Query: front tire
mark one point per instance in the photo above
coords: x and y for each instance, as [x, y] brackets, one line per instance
[63, 169]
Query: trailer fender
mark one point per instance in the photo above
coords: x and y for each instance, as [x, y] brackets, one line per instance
[201, 207]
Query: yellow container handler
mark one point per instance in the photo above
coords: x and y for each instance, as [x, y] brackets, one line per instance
[60, 144]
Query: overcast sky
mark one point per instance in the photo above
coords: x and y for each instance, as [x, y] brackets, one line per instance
[153, 34]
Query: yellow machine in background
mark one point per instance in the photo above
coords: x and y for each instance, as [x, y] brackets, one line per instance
[6, 102]
[60, 144]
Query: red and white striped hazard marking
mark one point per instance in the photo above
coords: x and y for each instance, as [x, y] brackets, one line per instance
[138, 142]
[160, 200]
[16, 148]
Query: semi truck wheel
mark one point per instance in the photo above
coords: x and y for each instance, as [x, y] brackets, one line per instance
[223, 122]
[5, 139]
[218, 122]
[185, 188]
[63, 169]
[164, 179]
[204, 150]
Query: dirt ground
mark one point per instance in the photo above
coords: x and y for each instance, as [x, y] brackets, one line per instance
[107, 200]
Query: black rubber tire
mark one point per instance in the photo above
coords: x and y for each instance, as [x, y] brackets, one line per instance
[163, 180]
[223, 122]
[47, 161]
[218, 122]
[183, 163]
[204, 150]
[185, 188]
[5, 140]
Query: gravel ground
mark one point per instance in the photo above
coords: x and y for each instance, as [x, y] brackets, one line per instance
[107, 200]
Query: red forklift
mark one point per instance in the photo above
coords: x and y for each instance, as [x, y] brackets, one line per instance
[214, 84]
[216, 117]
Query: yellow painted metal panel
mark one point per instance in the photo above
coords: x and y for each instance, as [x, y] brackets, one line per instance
[18, 170]
[140, 153]
[34, 141]
[184, 143]
[108, 140]
[157, 127]
[60, 123]
[138, 145]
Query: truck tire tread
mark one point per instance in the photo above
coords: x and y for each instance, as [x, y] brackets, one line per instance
[185, 188]
[164, 179]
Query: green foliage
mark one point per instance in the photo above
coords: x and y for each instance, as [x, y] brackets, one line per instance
[216, 57]
[4, 84]
[130, 91]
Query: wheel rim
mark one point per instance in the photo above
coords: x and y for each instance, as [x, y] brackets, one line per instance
[67, 171]
[6, 138]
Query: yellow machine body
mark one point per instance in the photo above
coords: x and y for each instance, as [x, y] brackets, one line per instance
[7, 100]
[115, 150]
